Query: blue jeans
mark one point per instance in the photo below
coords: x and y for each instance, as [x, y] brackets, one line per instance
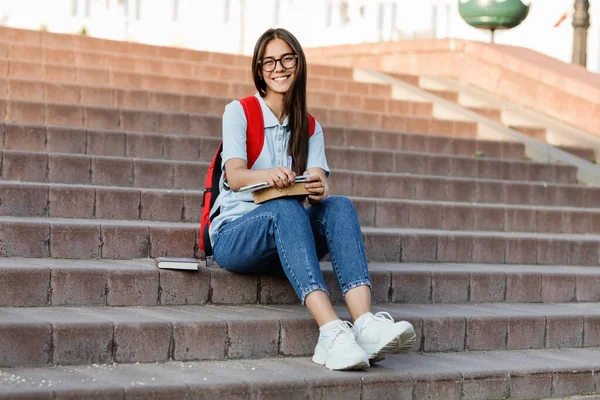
[283, 235]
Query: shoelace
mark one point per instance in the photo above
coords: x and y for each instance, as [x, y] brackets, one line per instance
[344, 327]
[380, 318]
[384, 317]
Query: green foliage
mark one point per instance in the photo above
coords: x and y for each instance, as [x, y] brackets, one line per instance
[479, 153]
[83, 31]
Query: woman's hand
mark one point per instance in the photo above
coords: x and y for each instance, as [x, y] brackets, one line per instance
[280, 177]
[318, 188]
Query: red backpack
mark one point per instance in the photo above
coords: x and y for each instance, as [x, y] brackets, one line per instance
[255, 139]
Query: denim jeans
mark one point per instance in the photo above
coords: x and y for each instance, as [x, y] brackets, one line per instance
[283, 236]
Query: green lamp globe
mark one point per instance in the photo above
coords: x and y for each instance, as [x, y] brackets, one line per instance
[494, 14]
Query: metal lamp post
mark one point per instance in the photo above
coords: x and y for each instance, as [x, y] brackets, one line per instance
[581, 23]
[493, 14]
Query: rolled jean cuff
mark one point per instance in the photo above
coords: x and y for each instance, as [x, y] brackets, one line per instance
[310, 289]
[352, 285]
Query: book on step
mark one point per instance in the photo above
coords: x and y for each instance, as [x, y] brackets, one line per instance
[190, 264]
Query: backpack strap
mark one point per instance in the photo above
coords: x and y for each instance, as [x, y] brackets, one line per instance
[255, 131]
[312, 123]
[211, 190]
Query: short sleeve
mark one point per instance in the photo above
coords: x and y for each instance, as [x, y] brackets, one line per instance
[234, 132]
[316, 151]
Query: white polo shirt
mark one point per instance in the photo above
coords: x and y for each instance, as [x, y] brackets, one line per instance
[274, 154]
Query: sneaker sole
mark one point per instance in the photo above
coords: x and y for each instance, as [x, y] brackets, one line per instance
[390, 347]
[402, 343]
[406, 342]
[360, 365]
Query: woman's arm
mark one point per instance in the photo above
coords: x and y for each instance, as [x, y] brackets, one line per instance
[238, 175]
[317, 166]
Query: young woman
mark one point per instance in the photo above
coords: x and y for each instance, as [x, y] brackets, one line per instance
[282, 234]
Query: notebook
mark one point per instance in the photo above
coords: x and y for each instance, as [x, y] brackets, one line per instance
[190, 264]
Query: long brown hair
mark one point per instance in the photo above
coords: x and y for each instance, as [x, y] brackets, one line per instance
[294, 101]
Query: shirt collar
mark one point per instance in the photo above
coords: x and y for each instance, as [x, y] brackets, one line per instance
[268, 116]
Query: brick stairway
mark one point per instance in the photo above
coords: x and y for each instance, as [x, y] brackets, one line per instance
[104, 149]
[536, 132]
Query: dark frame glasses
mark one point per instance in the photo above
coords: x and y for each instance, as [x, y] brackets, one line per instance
[287, 61]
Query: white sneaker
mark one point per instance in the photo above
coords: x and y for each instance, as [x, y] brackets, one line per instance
[380, 336]
[338, 350]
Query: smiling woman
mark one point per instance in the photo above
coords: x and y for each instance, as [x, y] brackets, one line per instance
[279, 71]
[284, 236]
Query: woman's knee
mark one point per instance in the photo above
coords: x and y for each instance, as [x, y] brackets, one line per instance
[284, 207]
[339, 205]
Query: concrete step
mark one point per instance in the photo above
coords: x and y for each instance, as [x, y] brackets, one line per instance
[43, 336]
[445, 94]
[101, 170]
[79, 53]
[451, 166]
[131, 119]
[78, 143]
[191, 100]
[491, 113]
[423, 214]
[165, 174]
[29, 282]
[409, 140]
[98, 238]
[519, 374]
[162, 75]
[538, 133]
[586, 154]
[117, 239]
[431, 245]
[156, 58]
[469, 190]
[412, 79]
[91, 44]
[56, 139]
[25, 199]
[532, 131]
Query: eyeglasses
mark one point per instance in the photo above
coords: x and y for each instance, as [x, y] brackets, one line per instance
[287, 61]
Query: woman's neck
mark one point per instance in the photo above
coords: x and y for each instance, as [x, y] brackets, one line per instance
[275, 103]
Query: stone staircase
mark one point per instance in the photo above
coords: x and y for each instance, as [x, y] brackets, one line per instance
[537, 132]
[494, 259]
